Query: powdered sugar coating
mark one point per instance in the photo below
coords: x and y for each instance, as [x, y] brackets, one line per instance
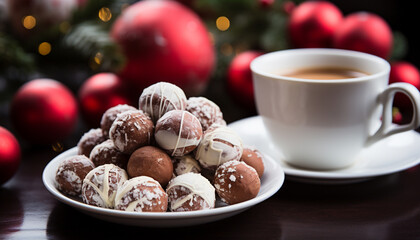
[106, 153]
[220, 144]
[101, 184]
[178, 132]
[253, 158]
[161, 98]
[236, 182]
[111, 114]
[141, 194]
[190, 192]
[71, 172]
[185, 164]
[89, 140]
[206, 111]
[131, 130]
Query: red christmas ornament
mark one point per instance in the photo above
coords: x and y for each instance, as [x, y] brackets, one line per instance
[164, 41]
[240, 78]
[100, 92]
[44, 111]
[9, 155]
[404, 72]
[364, 32]
[313, 23]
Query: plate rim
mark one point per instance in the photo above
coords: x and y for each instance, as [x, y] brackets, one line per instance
[229, 209]
[330, 174]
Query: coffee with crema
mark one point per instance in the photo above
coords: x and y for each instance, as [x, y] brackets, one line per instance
[324, 73]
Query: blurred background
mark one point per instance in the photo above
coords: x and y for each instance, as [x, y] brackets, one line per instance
[103, 53]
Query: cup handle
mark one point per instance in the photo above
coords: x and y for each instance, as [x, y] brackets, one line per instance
[386, 98]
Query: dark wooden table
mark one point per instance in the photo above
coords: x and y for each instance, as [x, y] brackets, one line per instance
[386, 207]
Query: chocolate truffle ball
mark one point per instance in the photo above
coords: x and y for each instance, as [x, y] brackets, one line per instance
[206, 111]
[190, 192]
[89, 140]
[150, 161]
[107, 153]
[253, 158]
[178, 132]
[161, 98]
[185, 164]
[71, 172]
[110, 115]
[220, 144]
[131, 130]
[141, 194]
[101, 184]
[236, 182]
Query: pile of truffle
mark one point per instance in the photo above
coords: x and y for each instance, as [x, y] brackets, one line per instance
[170, 154]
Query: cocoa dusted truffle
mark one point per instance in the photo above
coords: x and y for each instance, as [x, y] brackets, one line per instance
[185, 164]
[253, 158]
[236, 182]
[107, 153]
[161, 98]
[101, 184]
[89, 140]
[206, 111]
[219, 145]
[110, 115]
[131, 130]
[141, 194]
[190, 192]
[71, 172]
[150, 161]
[178, 132]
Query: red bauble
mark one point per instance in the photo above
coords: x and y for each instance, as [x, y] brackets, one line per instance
[313, 23]
[404, 72]
[9, 155]
[164, 41]
[100, 92]
[365, 32]
[44, 111]
[240, 78]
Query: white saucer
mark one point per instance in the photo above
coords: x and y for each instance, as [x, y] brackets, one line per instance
[271, 182]
[390, 155]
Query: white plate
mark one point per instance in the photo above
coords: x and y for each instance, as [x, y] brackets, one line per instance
[271, 182]
[390, 155]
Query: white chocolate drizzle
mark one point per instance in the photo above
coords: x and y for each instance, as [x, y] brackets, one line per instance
[101, 183]
[171, 98]
[186, 164]
[212, 153]
[197, 184]
[147, 197]
[169, 140]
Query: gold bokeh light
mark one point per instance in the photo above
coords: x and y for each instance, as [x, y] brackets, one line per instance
[29, 22]
[44, 48]
[222, 23]
[105, 14]
[98, 58]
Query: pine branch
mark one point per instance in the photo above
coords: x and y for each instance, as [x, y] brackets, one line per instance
[92, 41]
[12, 54]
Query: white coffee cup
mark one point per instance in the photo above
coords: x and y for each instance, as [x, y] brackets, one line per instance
[324, 124]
